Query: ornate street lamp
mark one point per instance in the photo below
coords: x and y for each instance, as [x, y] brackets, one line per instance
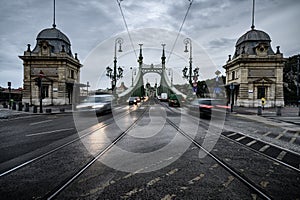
[189, 76]
[113, 73]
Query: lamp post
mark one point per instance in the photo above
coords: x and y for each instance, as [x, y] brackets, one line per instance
[113, 73]
[188, 41]
[41, 76]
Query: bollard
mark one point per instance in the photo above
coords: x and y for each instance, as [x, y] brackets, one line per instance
[48, 110]
[278, 110]
[14, 106]
[20, 106]
[5, 105]
[259, 110]
[26, 107]
[34, 109]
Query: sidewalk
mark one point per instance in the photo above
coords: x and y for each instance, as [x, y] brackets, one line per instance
[6, 113]
[288, 119]
[288, 111]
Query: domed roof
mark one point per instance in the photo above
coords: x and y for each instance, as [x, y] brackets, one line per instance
[249, 42]
[254, 35]
[52, 33]
[59, 41]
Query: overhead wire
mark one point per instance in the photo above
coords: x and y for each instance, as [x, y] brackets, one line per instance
[184, 19]
[119, 3]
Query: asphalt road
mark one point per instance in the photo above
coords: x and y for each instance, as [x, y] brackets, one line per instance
[147, 158]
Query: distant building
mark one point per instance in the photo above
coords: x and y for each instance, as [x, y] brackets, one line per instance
[53, 59]
[255, 71]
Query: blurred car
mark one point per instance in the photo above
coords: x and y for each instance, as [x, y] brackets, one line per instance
[132, 101]
[174, 100]
[96, 103]
[205, 107]
[138, 99]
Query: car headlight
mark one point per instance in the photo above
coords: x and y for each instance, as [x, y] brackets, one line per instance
[97, 106]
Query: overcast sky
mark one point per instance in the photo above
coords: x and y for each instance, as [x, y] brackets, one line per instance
[213, 25]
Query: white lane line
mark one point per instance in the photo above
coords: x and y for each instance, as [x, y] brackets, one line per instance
[279, 136]
[232, 134]
[250, 143]
[281, 155]
[264, 148]
[293, 139]
[55, 131]
[238, 139]
[267, 133]
[35, 123]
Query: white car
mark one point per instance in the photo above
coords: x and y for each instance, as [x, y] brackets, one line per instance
[96, 103]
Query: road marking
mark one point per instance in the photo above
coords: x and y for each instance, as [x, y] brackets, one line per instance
[232, 134]
[196, 179]
[172, 172]
[238, 139]
[264, 148]
[293, 139]
[55, 131]
[35, 123]
[267, 133]
[250, 143]
[281, 155]
[168, 197]
[230, 179]
[153, 181]
[279, 136]
[264, 184]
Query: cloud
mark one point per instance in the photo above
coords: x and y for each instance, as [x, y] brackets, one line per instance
[214, 25]
[222, 43]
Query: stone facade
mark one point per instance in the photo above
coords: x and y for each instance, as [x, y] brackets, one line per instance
[255, 72]
[53, 58]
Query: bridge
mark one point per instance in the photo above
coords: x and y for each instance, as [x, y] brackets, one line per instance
[165, 85]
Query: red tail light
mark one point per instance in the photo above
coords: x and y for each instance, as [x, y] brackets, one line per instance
[221, 106]
[205, 106]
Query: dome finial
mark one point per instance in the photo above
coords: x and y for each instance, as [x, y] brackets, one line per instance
[53, 25]
[253, 6]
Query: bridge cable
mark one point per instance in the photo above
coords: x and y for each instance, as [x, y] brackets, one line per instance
[119, 3]
[186, 14]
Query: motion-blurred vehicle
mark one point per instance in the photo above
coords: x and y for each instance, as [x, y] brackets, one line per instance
[138, 99]
[163, 97]
[96, 103]
[175, 100]
[132, 101]
[205, 107]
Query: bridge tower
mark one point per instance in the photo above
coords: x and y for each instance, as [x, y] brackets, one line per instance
[163, 88]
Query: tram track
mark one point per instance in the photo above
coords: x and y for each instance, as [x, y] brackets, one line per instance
[82, 134]
[52, 194]
[277, 154]
[284, 156]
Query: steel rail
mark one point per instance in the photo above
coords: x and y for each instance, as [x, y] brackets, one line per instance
[61, 146]
[204, 125]
[52, 194]
[227, 167]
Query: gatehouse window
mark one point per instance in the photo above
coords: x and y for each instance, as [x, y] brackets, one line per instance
[233, 75]
[72, 73]
[45, 91]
